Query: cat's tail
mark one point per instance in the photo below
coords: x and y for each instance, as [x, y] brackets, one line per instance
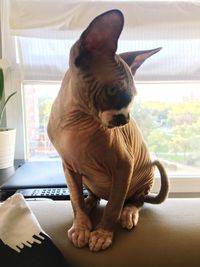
[164, 188]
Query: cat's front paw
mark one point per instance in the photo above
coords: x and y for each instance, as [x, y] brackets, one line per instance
[100, 239]
[79, 234]
[129, 217]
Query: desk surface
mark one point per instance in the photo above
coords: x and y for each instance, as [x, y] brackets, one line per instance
[167, 235]
[6, 173]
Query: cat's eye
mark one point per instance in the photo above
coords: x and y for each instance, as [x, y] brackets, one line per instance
[112, 91]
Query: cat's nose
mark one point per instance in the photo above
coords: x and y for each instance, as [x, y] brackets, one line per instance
[120, 119]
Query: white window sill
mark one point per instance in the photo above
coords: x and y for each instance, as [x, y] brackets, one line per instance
[181, 186]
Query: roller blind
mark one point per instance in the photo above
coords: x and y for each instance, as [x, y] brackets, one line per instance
[45, 31]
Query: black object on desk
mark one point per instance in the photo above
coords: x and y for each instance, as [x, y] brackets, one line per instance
[33, 175]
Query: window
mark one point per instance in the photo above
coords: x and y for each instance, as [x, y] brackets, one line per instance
[168, 115]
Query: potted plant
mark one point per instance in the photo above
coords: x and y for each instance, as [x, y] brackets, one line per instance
[7, 135]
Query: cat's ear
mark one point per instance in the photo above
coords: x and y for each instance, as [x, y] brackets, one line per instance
[103, 32]
[135, 59]
[101, 36]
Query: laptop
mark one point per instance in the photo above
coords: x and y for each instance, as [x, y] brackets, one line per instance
[40, 179]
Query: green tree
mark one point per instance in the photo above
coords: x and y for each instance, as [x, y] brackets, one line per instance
[44, 109]
[186, 140]
[144, 118]
[172, 129]
[159, 141]
[184, 113]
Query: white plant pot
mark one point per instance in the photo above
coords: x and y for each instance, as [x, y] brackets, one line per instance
[7, 147]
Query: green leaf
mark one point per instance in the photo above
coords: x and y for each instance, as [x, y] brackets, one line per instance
[1, 83]
[4, 106]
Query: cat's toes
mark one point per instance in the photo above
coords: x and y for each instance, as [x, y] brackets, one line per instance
[79, 236]
[129, 217]
[100, 239]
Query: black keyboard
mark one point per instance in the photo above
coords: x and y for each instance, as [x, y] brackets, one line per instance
[52, 193]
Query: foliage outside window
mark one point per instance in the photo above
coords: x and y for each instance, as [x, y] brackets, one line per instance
[172, 132]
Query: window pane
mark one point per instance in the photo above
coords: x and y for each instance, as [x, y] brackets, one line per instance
[169, 118]
[168, 115]
[38, 101]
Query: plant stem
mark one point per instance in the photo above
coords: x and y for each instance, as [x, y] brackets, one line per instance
[4, 106]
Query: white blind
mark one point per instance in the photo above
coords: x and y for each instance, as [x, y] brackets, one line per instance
[45, 31]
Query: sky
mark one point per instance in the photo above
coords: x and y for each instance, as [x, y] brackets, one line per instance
[168, 92]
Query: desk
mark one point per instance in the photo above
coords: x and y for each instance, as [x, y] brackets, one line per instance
[6, 173]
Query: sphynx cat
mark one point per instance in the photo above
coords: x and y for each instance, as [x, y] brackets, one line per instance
[101, 147]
